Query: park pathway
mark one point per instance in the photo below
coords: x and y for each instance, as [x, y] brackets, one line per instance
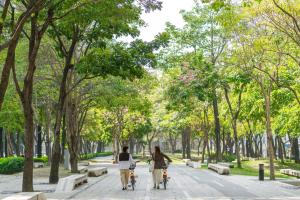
[185, 183]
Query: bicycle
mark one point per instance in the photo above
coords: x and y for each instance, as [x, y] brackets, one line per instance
[132, 176]
[165, 175]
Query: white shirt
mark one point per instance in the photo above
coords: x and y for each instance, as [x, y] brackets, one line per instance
[126, 164]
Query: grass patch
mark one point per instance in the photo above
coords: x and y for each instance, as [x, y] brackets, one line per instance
[250, 168]
[94, 155]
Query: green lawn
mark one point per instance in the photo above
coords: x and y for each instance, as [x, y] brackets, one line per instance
[250, 168]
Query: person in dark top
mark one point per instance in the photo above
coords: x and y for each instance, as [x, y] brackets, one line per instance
[125, 160]
[159, 162]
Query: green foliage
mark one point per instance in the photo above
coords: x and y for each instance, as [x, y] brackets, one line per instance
[228, 157]
[11, 165]
[43, 159]
[94, 155]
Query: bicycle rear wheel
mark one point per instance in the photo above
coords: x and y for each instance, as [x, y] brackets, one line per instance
[165, 183]
[132, 183]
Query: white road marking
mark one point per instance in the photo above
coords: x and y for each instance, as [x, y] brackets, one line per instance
[147, 195]
[186, 194]
[288, 193]
[220, 184]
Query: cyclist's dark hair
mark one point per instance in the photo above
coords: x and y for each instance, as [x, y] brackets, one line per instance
[125, 149]
[157, 150]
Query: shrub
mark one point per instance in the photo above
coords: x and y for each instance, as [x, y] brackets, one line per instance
[229, 157]
[11, 165]
[43, 159]
[94, 155]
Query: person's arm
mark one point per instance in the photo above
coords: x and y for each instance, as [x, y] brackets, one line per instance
[167, 157]
[131, 159]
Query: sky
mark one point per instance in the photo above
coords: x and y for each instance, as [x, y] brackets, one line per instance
[169, 13]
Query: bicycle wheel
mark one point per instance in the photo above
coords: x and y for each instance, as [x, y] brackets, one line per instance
[165, 183]
[132, 183]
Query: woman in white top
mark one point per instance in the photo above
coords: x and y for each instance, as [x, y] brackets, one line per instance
[125, 160]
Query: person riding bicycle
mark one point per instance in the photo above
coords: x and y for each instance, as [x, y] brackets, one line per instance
[159, 164]
[125, 162]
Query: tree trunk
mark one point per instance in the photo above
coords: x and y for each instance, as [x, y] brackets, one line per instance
[183, 139]
[242, 142]
[217, 128]
[203, 150]
[280, 151]
[131, 145]
[269, 134]
[237, 145]
[5, 144]
[28, 137]
[149, 146]
[18, 144]
[296, 149]
[63, 139]
[10, 151]
[99, 147]
[188, 142]
[198, 146]
[56, 152]
[260, 146]
[1, 143]
[39, 141]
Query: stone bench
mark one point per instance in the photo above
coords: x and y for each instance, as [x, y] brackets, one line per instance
[27, 196]
[220, 169]
[290, 172]
[82, 169]
[38, 165]
[69, 183]
[230, 165]
[186, 160]
[99, 171]
[194, 164]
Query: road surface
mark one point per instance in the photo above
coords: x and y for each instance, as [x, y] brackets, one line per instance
[185, 183]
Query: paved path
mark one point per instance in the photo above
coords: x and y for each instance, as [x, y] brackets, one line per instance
[185, 183]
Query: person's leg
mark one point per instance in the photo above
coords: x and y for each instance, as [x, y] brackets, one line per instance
[122, 177]
[126, 174]
[154, 179]
[157, 177]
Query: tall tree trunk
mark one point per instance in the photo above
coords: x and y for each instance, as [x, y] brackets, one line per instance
[99, 147]
[269, 133]
[203, 150]
[280, 151]
[63, 138]
[39, 141]
[183, 139]
[242, 142]
[18, 144]
[237, 145]
[56, 150]
[10, 151]
[131, 145]
[198, 146]
[217, 127]
[5, 144]
[48, 133]
[296, 149]
[54, 171]
[1, 143]
[188, 142]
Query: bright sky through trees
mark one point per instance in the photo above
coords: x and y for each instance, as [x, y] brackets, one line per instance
[170, 13]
